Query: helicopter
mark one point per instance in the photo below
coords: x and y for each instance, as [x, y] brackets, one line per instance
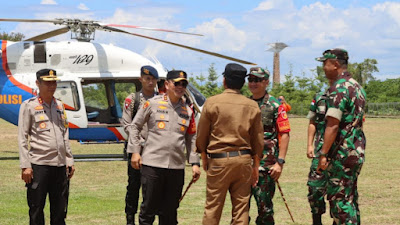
[86, 69]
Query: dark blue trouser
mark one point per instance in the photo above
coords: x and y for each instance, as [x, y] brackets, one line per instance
[132, 190]
[161, 190]
[52, 180]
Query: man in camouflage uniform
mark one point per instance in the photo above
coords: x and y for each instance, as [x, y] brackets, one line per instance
[276, 141]
[345, 108]
[148, 79]
[316, 181]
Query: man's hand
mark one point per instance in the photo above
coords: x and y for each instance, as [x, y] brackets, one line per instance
[196, 173]
[275, 171]
[70, 171]
[27, 175]
[254, 176]
[136, 161]
[204, 160]
[310, 152]
[322, 164]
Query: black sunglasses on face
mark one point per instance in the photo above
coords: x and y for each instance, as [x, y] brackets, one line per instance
[255, 79]
[181, 83]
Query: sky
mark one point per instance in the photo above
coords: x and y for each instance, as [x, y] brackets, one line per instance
[241, 29]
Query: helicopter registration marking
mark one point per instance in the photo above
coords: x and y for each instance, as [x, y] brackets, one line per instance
[83, 59]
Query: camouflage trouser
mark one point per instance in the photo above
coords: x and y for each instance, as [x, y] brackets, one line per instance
[317, 184]
[263, 194]
[342, 190]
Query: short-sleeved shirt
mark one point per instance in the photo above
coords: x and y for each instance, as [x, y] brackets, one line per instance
[230, 122]
[346, 102]
[43, 136]
[171, 128]
[275, 121]
[317, 115]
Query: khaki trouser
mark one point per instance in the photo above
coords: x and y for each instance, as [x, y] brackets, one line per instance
[233, 174]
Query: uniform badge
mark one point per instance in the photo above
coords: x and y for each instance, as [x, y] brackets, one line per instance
[184, 121]
[42, 125]
[182, 75]
[165, 98]
[146, 104]
[127, 102]
[163, 102]
[161, 125]
[182, 128]
[146, 71]
[41, 117]
[39, 107]
[162, 107]
[162, 117]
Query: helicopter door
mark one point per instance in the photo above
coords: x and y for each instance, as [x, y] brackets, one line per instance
[68, 92]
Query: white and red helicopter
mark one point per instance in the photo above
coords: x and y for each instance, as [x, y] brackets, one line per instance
[85, 69]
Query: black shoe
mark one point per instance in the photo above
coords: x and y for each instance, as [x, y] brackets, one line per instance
[316, 218]
[130, 219]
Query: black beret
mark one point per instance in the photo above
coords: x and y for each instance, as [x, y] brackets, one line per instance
[149, 70]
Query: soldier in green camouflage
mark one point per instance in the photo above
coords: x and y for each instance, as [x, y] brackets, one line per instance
[316, 181]
[276, 140]
[345, 109]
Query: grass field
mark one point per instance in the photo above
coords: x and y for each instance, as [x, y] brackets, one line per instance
[98, 188]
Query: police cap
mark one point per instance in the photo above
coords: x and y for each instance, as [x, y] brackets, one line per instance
[47, 75]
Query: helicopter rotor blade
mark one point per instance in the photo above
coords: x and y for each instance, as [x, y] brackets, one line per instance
[49, 34]
[150, 28]
[30, 20]
[179, 45]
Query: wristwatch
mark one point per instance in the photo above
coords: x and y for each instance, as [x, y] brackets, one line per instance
[281, 161]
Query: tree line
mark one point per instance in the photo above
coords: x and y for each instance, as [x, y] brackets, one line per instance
[300, 90]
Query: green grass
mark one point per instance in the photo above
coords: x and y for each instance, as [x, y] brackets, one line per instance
[98, 188]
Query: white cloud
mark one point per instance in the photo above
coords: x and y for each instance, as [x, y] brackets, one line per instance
[48, 2]
[82, 6]
[274, 4]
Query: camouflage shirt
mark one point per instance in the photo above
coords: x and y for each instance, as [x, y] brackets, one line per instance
[270, 112]
[346, 102]
[317, 115]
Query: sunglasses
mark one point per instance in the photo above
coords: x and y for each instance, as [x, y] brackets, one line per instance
[181, 83]
[255, 79]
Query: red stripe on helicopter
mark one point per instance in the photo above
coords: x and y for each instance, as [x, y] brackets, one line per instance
[116, 132]
[8, 72]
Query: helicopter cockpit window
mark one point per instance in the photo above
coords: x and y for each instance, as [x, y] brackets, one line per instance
[200, 99]
[68, 93]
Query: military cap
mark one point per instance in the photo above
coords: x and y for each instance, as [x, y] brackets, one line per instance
[176, 75]
[259, 72]
[234, 71]
[47, 75]
[335, 53]
[149, 70]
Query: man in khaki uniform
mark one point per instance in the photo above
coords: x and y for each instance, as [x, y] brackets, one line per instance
[171, 128]
[230, 135]
[43, 126]
[148, 79]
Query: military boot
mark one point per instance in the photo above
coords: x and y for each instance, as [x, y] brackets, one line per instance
[316, 218]
[130, 219]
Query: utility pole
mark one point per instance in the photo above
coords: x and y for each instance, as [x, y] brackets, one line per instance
[276, 48]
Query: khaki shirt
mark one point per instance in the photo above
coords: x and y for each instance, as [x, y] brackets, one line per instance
[170, 129]
[47, 128]
[230, 122]
[128, 110]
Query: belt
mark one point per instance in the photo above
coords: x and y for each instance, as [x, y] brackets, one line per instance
[229, 154]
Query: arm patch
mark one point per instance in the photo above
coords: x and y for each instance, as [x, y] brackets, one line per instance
[282, 122]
